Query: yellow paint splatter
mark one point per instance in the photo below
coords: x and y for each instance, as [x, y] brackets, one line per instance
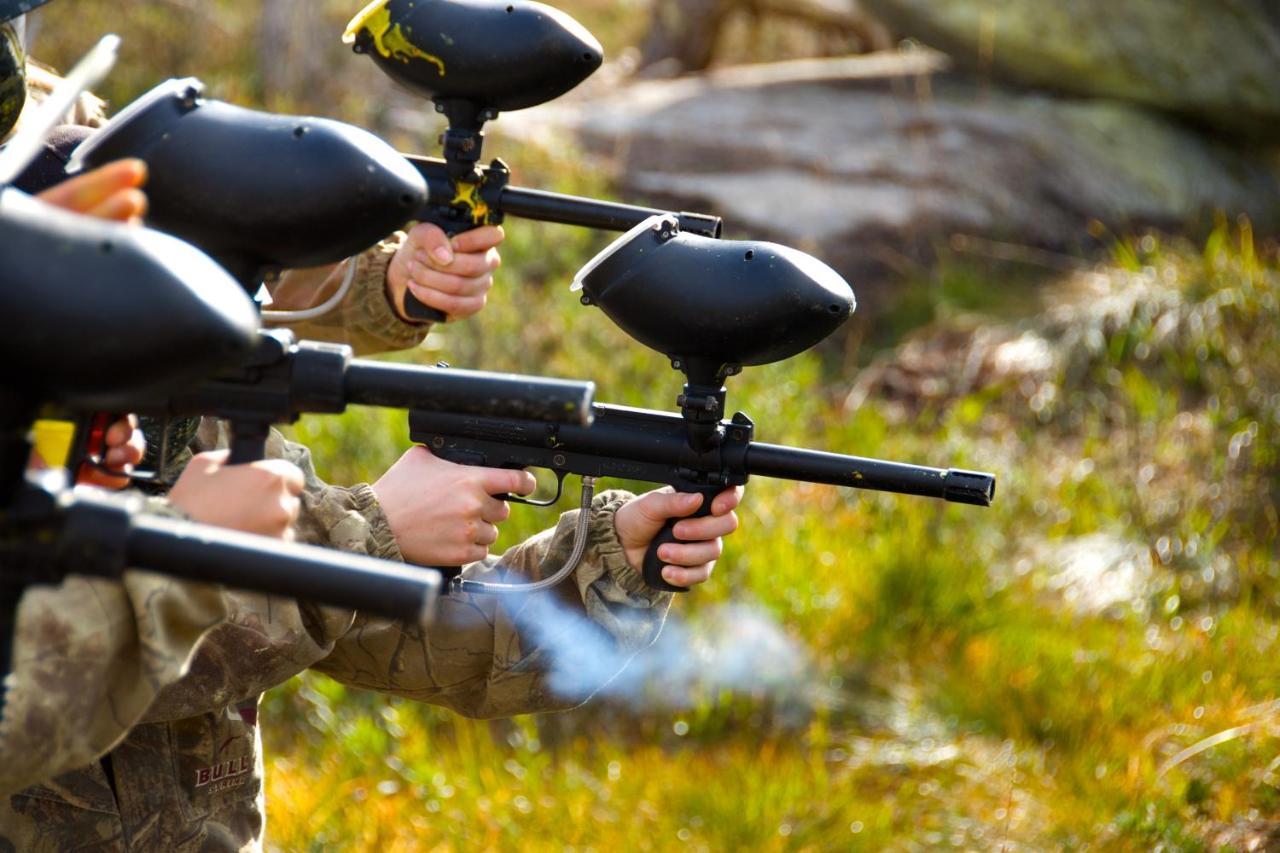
[469, 197]
[389, 39]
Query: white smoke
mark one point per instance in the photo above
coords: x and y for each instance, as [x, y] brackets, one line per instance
[735, 649]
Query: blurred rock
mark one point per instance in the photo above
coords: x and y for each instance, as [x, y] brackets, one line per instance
[1218, 63]
[685, 35]
[872, 161]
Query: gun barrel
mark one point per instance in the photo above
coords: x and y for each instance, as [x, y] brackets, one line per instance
[469, 392]
[242, 561]
[591, 213]
[815, 466]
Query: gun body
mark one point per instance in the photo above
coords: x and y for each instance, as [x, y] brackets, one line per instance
[653, 446]
[282, 380]
[661, 447]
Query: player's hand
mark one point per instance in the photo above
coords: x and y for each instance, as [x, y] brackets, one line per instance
[453, 276]
[123, 447]
[259, 497]
[108, 192]
[444, 514]
[691, 561]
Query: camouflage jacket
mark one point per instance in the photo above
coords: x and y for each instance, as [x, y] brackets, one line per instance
[176, 669]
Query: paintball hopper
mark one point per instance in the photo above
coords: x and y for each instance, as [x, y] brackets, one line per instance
[714, 303]
[10, 9]
[499, 55]
[95, 307]
[258, 191]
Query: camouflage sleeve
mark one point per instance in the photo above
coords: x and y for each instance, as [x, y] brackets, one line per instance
[89, 657]
[265, 640]
[364, 319]
[492, 656]
[483, 656]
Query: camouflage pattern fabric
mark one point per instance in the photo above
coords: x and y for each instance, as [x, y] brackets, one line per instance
[90, 656]
[13, 79]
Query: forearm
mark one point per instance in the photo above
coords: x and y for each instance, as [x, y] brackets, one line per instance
[490, 656]
[266, 640]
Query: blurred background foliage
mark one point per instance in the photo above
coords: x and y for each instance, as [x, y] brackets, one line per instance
[1089, 664]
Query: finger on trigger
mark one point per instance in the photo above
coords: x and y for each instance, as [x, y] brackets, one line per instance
[495, 511]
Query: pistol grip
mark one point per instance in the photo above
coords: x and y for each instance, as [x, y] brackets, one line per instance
[416, 309]
[652, 563]
[248, 442]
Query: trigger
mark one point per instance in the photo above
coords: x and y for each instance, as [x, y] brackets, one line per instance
[560, 475]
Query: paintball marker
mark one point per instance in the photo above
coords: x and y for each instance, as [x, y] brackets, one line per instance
[754, 303]
[306, 192]
[474, 59]
[198, 320]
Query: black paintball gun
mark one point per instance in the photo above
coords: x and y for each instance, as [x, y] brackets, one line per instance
[261, 192]
[475, 59]
[152, 312]
[712, 307]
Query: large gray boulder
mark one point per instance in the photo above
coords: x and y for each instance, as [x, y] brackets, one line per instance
[866, 162]
[1215, 62]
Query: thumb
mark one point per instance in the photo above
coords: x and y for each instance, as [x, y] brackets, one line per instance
[432, 240]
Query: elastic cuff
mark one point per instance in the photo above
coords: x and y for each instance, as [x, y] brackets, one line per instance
[608, 547]
[374, 314]
[381, 542]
